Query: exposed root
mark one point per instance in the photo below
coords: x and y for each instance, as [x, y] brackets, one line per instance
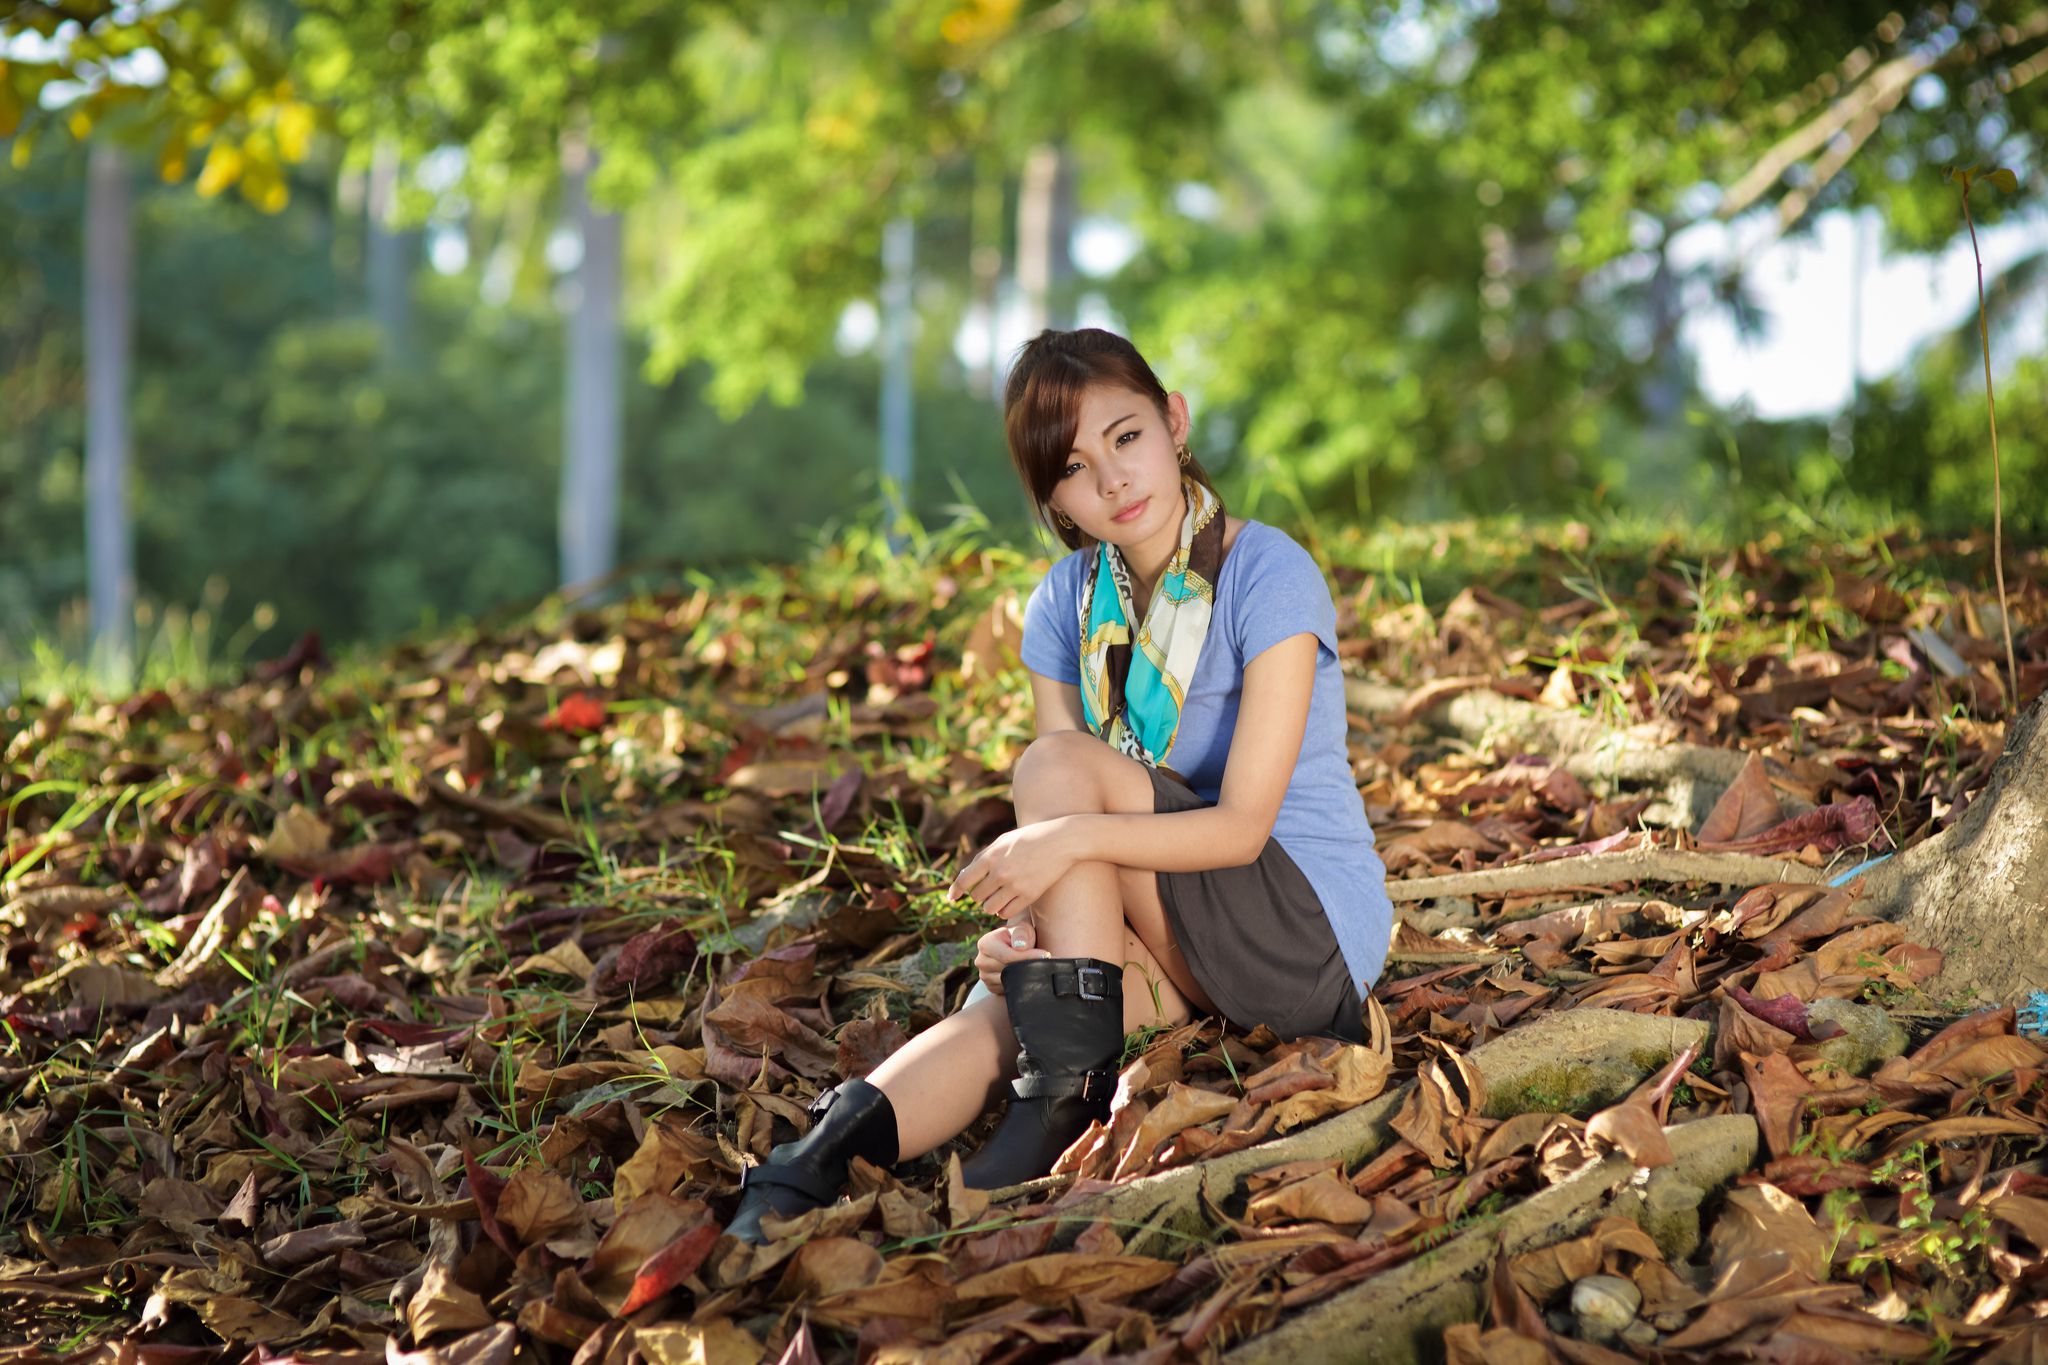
[1975, 891]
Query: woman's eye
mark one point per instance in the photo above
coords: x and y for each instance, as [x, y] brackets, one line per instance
[1068, 470]
[1120, 439]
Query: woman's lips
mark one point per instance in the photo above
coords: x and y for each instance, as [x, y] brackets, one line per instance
[1131, 513]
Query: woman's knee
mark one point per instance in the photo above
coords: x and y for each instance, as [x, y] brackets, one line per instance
[1056, 775]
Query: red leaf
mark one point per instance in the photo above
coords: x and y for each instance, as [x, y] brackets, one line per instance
[1787, 1012]
[1846, 824]
[670, 1266]
[647, 961]
[485, 1189]
[577, 713]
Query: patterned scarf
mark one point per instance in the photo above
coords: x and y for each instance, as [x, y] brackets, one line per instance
[1132, 699]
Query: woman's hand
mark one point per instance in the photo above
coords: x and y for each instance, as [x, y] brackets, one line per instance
[1009, 876]
[999, 947]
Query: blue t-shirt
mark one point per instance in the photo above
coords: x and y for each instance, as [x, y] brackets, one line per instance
[1268, 589]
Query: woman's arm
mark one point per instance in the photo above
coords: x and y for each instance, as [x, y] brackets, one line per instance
[1058, 704]
[1271, 719]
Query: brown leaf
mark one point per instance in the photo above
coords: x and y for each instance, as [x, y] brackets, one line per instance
[221, 925]
[2028, 1214]
[865, 1044]
[1777, 1090]
[1437, 842]
[1322, 1198]
[1785, 1012]
[537, 1205]
[1739, 1031]
[1749, 806]
[1989, 1057]
[1632, 1129]
[309, 1244]
[441, 1305]
[180, 1205]
[829, 1265]
[1757, 1220]
[780, 778]
[1432, 1117]
[1360, 1074]
[669, 1154]
[1183, 1107]
[720, 1341]
[1055, 1278]
[1548, 1271]
[492, 1345]
[1842, 1332]
[750, 1024]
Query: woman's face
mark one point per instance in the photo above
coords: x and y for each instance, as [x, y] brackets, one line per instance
[1125, 460]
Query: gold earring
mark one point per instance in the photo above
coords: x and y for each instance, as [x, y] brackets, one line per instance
[1185, 456]
[1063, 519]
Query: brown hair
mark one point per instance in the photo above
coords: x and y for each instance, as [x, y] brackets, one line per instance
[1042, 409]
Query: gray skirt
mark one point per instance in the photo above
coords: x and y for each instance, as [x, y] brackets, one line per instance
[1256, 937]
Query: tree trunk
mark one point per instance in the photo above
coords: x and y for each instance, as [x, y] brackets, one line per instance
[1045, 227]
[898, 321]
[109, 343]
[592, 410]
[389, 257]
[1978, 890]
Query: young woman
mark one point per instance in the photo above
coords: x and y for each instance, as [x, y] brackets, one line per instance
[1240, 880]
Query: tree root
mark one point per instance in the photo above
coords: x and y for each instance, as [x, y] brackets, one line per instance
[1403, 1312]
[1976, 889]
[1594, 870]
[1690, 778]
[1564, 1061]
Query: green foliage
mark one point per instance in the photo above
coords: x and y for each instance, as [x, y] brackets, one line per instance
[287, 478]
[1436, 281]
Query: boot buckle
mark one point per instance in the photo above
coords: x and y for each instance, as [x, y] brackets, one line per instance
[1097, 1086]
[1081, 975]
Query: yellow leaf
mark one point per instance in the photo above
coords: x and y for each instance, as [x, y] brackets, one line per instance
[2005, 180]
[263, 186]
[23, 145]
[171, 158]
[80, 123]
[294, 130]
[978, 21]
[223, 168]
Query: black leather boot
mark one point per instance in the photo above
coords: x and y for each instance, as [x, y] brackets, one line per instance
[1068, 1013]
[849, 1120]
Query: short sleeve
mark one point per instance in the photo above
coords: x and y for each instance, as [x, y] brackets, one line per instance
[1283, 594]
[1052, 628]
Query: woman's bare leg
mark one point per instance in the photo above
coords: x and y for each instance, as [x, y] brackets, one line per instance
[953, 1072]
[947, 1076]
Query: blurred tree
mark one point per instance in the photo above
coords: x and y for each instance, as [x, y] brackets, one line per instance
[1419, 253]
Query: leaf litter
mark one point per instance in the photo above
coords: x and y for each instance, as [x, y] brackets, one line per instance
[429, 1014]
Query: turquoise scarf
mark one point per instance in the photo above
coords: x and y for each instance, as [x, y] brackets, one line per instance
[1133, 698]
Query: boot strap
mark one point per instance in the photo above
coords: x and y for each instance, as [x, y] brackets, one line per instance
[1092, 1086]
[791, 1177]
[1086, 983]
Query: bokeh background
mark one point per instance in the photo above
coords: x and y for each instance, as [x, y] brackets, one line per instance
[414, 312]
